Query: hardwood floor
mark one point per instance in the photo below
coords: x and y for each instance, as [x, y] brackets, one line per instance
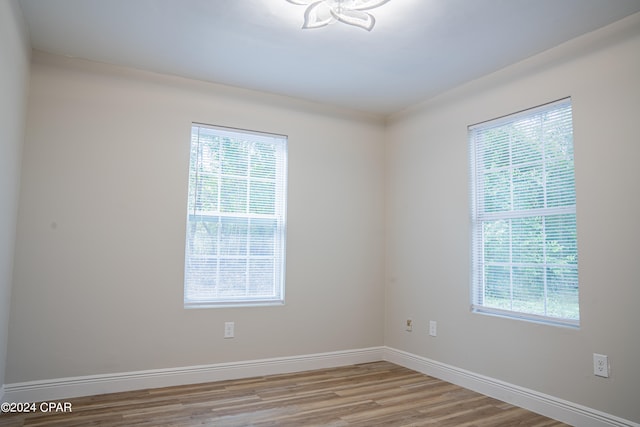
[372, 394]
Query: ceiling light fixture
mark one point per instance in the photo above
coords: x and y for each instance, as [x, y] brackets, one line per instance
[321, 13]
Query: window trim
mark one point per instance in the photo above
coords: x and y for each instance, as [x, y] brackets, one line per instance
[477, 248]
[280, 216]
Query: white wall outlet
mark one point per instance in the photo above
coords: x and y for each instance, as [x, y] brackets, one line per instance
[433, 331]
[409, 326]
[600, 365]
[229, 329]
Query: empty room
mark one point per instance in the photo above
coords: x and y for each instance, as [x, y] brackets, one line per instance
[333, 212]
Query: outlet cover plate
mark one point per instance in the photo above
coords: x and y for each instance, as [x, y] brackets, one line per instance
[433, 331]
[409, 327]
[229, 329]
[600, 365]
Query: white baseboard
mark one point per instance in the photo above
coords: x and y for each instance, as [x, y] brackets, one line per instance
[552, 407]
[61, 388]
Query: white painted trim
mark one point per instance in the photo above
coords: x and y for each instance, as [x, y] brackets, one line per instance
[61, 388]
[552, 407]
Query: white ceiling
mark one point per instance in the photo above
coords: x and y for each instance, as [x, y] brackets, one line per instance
[418, 48]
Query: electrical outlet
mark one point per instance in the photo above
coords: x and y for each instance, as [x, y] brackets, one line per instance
[433, 331]
[229, 329]
[600, 365]
[409, 326]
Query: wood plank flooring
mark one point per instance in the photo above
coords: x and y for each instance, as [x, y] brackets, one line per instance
[371, 394]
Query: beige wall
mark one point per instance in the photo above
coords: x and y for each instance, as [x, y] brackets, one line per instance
[99, 258]
[14, 78]
[98, 261]
[428, 235]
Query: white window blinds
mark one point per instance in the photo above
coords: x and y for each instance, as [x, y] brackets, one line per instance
[236, 221]
[524, 250]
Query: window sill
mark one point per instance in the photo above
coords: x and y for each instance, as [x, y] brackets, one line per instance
[532, 318]
[229, 304]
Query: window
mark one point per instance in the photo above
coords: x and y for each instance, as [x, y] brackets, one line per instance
[235, 245]
[524, 250]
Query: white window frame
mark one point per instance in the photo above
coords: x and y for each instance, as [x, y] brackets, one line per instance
[483, 217]
[205, 254]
